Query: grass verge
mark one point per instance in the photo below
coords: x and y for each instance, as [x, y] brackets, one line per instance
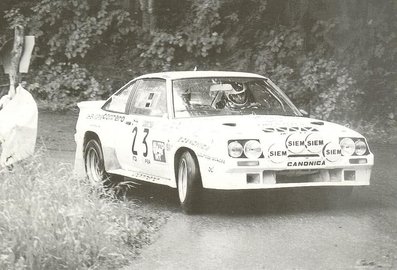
[52, 220]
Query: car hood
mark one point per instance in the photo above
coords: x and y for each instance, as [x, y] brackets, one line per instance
[265, 124]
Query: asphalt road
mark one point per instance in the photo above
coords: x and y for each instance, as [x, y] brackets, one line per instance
[284, 229]
[288, 229]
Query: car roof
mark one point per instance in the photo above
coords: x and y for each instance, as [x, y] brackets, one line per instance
[198, 74]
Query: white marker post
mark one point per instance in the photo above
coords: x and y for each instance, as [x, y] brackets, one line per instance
[18, 109]
[16, 55]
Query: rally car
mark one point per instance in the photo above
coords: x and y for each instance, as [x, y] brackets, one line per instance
[196, 130]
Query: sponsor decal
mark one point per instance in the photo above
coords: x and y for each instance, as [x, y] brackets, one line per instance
[295, 143]
[305, 163]
[314, 143]
[332, 151]
[214, 159]
[308, 129]
[158, 149]
[146, 177]
[194, 143]
[282, 129]
[269, 130]
[106, 116]
[277, 153]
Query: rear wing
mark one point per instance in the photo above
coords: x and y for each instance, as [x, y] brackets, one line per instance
[90, 104]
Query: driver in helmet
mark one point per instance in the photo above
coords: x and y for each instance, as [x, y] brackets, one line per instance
[239, 98]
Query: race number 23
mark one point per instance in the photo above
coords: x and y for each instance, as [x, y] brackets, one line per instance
[135, 133]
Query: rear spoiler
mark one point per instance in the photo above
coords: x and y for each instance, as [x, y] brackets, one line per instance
[90, 104]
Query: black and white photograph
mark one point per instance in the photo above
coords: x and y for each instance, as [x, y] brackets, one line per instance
[207, 134]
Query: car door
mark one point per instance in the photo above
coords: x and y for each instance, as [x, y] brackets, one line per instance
[148, 131]
[113, 126]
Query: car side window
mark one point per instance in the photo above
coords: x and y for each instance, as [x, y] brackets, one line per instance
[150, 98]
[119, 100]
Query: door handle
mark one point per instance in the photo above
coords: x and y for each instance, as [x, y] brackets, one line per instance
[128, 123]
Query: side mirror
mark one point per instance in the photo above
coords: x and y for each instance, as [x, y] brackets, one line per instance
[304, 113]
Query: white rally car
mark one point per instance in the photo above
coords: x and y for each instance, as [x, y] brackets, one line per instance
[198, 130]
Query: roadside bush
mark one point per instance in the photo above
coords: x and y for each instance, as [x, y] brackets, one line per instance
[61, 86]
[51, 220]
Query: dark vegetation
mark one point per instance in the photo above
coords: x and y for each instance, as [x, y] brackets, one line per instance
[335, 59]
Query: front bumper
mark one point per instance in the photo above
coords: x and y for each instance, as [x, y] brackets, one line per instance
[264, 177]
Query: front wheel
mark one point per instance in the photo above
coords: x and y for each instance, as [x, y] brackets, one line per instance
[189, 183]
[94, 165]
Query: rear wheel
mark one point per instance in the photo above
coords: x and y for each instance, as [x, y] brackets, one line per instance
[189, 183]
[95, 167]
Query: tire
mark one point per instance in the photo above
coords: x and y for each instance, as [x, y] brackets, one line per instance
[189, 183]
[95, 167]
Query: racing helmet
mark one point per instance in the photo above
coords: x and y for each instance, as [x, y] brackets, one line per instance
[239, 95]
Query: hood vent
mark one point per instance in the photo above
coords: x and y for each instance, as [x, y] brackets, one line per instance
[229, 124]
[317, 123]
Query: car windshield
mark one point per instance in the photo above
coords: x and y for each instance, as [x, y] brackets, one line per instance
[229, 96]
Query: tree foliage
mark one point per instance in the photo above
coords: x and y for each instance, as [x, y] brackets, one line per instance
[336, 59]
[67, 30]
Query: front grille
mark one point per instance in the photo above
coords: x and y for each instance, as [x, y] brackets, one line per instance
[308, 176]
[296, 176]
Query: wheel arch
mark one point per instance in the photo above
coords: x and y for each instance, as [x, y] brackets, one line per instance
[177, 156]
[109, 155]
[89, 135]
[81, 139]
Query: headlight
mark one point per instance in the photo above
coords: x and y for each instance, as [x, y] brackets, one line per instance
[347, 146]
[252, 149]
[361, 147]
[235, 149]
